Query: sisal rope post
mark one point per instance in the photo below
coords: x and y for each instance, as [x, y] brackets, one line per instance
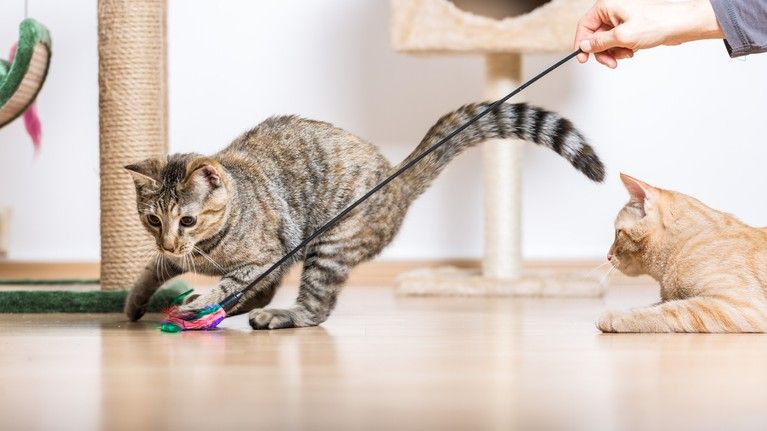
[132, 125]
[502, 175]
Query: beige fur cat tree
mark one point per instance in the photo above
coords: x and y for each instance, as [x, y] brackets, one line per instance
[444, 27]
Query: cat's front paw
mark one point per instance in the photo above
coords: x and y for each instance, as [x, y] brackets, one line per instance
[614, 321]
[135, 308]
[192, 303]
[275, 319]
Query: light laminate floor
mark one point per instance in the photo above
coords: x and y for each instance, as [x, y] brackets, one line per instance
[383, 362]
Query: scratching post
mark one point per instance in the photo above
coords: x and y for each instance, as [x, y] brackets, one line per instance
[514, 27]
[132, 125]
[502, 160]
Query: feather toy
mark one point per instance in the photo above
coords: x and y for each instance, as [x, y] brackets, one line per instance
[205, 319]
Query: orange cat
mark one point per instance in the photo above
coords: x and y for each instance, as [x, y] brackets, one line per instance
[712, 268]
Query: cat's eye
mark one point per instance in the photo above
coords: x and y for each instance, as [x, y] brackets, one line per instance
[153, 220]
[188, 221]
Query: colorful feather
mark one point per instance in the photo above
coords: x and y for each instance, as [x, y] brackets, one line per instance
[206, 319]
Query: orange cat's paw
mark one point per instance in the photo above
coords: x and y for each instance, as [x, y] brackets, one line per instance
[605, 322]
[614, 321]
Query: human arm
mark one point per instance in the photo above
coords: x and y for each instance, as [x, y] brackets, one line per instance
[744, 24]
[613, 30]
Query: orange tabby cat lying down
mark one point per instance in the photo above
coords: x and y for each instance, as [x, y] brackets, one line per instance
[712, 268]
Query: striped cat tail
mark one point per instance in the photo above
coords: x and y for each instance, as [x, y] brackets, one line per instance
[519, 121]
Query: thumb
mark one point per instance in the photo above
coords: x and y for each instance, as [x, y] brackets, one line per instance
[599, 41]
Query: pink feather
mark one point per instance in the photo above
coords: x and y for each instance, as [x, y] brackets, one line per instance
[207, 319]
[33, 126]
[31, 119]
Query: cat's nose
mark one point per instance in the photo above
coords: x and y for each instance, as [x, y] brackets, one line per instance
[609, 257]
[168, 246]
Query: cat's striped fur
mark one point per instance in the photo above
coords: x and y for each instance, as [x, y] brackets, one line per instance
[274, 185]
[712, 268]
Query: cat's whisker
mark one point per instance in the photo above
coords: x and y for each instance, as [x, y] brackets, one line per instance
[156, 264]
[164, 264]
[598, 267]
[191, 260]
[203, 254]
[152, 257]
[208, 258]
[607, 276]
[188, 263]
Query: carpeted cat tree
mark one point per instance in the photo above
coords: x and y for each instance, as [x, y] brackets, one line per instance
[502, 33]
[132, 126]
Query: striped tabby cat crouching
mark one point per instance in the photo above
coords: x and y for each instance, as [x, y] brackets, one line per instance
[712, 268]
[236, 212]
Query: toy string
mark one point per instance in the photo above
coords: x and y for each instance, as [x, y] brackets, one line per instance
[232, 299]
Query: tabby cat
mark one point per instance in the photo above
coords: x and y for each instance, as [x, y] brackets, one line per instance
[235, 213]
[712, 268]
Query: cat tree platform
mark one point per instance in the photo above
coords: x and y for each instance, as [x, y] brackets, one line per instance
[501, 31]
[444, 27]
[450, 280]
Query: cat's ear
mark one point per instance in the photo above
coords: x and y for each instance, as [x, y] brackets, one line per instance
[145, 172]
[203, 170]
[640, 192]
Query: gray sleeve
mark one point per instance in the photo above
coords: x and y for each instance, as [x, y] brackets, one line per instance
[744, 24]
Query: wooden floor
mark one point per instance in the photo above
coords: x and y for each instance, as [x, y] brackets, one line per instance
[383, 362]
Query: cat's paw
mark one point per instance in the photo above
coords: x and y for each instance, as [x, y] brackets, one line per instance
[274, 319]
[134, 308]
[193, 302]
[617, 321]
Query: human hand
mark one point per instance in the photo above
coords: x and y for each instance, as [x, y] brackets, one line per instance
[614, 29]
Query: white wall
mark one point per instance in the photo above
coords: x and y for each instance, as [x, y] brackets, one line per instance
[687, 118]
[54, 197]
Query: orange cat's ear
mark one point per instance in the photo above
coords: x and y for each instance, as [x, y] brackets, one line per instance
[639, 191]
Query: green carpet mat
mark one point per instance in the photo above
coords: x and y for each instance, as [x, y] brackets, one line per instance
[95, 301]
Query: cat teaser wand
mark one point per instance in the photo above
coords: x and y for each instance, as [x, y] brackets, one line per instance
[210, 316]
